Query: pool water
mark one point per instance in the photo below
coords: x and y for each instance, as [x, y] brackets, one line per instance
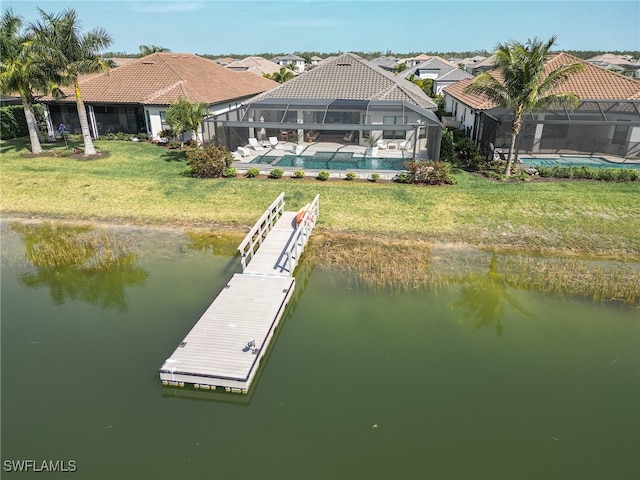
[576, 161]
[332, 161]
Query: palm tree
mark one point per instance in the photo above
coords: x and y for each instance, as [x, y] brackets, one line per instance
[23, 69]
[281, 76]
[79, 56]
[184, 116]
[149, 49]
[525, 85]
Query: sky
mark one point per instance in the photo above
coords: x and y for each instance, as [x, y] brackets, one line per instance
[222, 27]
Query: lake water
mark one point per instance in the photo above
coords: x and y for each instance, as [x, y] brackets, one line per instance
[360, 383]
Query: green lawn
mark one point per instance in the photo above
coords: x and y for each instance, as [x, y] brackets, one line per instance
[145, 184]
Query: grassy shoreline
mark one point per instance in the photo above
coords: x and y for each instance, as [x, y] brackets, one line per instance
[144, 185]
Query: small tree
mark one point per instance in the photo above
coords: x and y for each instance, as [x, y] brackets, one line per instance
[281, 76]
[184, 116]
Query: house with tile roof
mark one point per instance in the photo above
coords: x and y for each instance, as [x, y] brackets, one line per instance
[441, 71]
[134, 97]
[294, 62]
[387, 62]
[618, 63]
[257, 65]
[344, 99]
[606, 122]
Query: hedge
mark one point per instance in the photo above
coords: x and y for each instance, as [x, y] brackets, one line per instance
[13, 123]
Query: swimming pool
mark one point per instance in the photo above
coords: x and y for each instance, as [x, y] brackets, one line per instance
[331, 161]
[575, 161]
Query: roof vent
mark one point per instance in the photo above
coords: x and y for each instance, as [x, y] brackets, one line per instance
[148, 62]
[343, 64]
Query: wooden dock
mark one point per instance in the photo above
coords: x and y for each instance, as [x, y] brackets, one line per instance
[225, 347]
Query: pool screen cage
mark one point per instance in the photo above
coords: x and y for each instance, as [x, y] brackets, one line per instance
[311, 120]
[595, 127]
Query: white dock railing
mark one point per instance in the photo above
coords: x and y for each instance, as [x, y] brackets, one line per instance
[302, 234]
[259, 232]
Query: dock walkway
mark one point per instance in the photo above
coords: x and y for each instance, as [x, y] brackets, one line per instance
[225, 347]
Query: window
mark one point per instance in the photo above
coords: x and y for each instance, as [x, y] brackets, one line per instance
[393, 120]
[163, 120]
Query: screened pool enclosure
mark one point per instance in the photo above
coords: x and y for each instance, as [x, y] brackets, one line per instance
[300, 121]
[595, 127]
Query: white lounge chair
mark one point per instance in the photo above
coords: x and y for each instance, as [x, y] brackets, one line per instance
[253, 143]
[381, 144]
[497, 152]
[405, 145]
[275, 144]
[243, 152]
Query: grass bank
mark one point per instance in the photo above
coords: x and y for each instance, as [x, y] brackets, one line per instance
[144, 184]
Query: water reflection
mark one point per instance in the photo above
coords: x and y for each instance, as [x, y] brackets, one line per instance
[483, 297]
[217, 244]
[79, 264]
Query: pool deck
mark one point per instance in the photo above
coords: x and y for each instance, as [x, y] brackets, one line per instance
[309, 149]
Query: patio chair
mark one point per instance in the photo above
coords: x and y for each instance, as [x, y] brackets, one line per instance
[381, 144]
[275, 144]
[243, 152]
[253, 143]
[496, 152]
[405, 145]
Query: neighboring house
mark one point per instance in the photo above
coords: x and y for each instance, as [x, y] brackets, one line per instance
[622, 64]
[256, 65]
[386, 62]
[345, 99]
[294, 62]
[224, 61]
[134, 98]
[606, 122]
[412, 62]
[469, 63]
[441, 71]
[481, 66]
[315, 60]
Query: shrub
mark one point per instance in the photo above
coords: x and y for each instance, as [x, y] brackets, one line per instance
[447, 145]
[276, 173]
[229, 172]
[298, 174]
[253, 172]
[174, 145]
[374, 177]
[323, 175]
[13, 123]
[427, 172]
[351, 176]
[604, 174]
[166, 133]
[208, 162]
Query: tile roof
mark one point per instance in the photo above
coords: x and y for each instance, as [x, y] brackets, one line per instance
[594, 83]
[454, 75]
[433, 63]
[256, 65]
[161, 78]
[349, 77]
